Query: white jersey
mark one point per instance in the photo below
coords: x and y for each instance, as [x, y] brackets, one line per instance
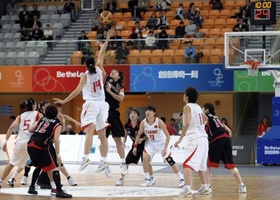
[154, 132]
[196, 128]
[26, 120]
[93, 90]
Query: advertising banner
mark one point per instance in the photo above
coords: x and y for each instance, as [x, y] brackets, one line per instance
[261, 83]
[16, 79]
[268, 151]
[175, 78]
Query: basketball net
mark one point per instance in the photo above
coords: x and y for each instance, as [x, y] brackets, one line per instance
[252, 67]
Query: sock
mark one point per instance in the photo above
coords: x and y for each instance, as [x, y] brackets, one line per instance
[14, 175]
[180, 175]
[53, 185]
[147, 176]
[26, 171]
[35, 176]
[204, 185]
[188, 187]
[123, 160]
[86, 156]
[104, 159]
[242, 184]
[56, 178]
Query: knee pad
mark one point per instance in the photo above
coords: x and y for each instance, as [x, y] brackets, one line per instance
[234, 170]
[170, 161]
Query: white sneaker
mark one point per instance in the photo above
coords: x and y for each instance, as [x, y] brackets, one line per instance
[153, 180]
[119, 182]
[24, 180]
[84, 164]
[185, 191]
[101, 167]
[147, 183]
[108, 171]
[182, 183]
[205, 190]
[71, 181]
[124, 170]
[242, 189]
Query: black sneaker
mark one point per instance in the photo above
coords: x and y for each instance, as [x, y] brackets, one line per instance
[32, 190]
[62, 194]
[10, 182]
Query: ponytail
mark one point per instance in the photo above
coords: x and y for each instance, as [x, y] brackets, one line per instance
[90, 64]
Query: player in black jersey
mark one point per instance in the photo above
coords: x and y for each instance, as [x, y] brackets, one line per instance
[131, 130]
[46, 131]
[220, 147]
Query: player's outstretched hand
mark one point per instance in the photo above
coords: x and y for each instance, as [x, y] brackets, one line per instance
[57, 101]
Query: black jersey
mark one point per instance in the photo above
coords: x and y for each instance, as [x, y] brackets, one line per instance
[115, 88]
[214, 126]
[44, 134]
[132, 131]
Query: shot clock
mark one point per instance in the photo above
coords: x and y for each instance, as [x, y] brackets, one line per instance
[263, 13]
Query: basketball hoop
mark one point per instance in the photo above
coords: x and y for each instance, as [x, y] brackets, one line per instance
[253, 68]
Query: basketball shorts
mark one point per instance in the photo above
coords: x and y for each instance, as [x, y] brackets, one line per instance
[152, 148]
[116, 126]
[95, 112]
[131, 158]
[196, 154]
[20, 155]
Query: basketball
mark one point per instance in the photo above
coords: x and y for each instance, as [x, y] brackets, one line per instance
[106, 17]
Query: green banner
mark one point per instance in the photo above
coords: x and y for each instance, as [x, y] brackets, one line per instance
[261, 83]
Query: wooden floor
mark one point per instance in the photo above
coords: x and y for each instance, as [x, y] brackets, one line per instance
[259, 186]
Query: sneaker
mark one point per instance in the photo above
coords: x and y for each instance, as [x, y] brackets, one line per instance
[153, 180]
[101, 167]
[32, 190]
[242, 189]
[84, 164]
[24, 180]
[108, 171]
[147, 183]
[181, 183]
[185, 191]
[124, 170]
[119, 182]
[205, 190]
[71, 181]
[53, 192]
[10, 182]
[63, 194]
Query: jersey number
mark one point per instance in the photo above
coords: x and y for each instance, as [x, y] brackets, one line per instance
[26, 125]
[96, 85]
[152, 137]
[218, 123]
[42, 127]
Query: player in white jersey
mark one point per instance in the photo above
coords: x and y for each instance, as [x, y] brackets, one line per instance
[95, 110]
[20, 155]
[196, 146]
[157, 142]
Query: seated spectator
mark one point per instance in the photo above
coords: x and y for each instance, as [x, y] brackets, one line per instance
[121, 54]
[11, 7]
[143, 5]
[36, 22]
[163, 5]
[69, 7]
[152, 22]
[87, 51]
[240, 26]
[24, 34]
[216, 4]
[139, 43]
[263, 127]
[180, 12]
[95, 21]
[191, 11]
[198, 19]
[35, 11]
[100, 31]
[23, 13]
[80, 44]
[190, 29]
[180, 30]
[163, 41]
[247, 8]
[131, 4]
[48, 35]
[115, 41]
[26, 22]
[37, 33]
[135, 14]
[136, 30]
[162, 21]
[111, 5]
[190, 53]
[68, 131]
[244, 16]
[150, 41]
[171, 127]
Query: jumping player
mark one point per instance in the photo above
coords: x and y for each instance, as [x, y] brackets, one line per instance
[157, 142]
[95, 109]
[220, 148]
[196, 146]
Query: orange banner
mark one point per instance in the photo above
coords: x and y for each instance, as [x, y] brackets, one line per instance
[15, 79]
